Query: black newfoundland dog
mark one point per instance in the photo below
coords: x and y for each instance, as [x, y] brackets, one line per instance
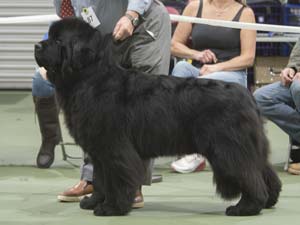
[121, 116]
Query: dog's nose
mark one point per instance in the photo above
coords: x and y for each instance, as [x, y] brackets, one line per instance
[38, 46]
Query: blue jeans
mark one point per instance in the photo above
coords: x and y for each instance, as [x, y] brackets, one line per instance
[41, 87]
[185, 69]
[281, 105]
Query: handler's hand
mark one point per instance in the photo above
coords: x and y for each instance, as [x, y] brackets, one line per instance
[43, 73]
[123, 29]
[287, 76]
[207, 69]
[206, 56]
[297, 76]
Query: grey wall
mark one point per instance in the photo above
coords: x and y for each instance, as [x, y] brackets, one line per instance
[17, 63]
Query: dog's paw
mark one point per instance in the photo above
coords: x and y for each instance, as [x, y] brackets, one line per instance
[103, 209]
[271, 202]
[233, 211]
[88, 203]
[239, 210]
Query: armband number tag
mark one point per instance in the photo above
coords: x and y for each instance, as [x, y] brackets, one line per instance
[90, 17]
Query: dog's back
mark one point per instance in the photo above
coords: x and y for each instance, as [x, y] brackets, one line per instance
[160, 116]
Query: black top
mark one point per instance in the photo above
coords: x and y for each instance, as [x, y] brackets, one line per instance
[223, 41]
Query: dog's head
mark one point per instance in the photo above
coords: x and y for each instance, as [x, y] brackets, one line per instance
[72, 46]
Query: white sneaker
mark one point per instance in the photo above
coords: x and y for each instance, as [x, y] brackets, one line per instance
[189, 163]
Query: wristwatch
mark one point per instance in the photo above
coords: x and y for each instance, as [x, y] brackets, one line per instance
[134, 20]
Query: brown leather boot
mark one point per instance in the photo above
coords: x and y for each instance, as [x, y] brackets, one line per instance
[47, 113]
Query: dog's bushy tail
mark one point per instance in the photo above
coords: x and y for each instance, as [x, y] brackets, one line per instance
[273, 185]
[270, 176]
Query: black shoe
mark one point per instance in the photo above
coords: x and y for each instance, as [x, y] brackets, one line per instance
[156, 178]
[295, 151]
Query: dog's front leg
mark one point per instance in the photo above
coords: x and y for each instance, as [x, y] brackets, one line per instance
[123, 175]
[98, 192]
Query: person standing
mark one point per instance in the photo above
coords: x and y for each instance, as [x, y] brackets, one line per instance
[148, 24]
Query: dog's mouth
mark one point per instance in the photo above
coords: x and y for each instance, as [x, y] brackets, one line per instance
[38, 54]
[42, 52]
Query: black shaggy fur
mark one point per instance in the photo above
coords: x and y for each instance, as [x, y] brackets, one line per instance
[120, 116]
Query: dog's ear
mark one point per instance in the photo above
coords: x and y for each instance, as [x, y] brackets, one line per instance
[82, 57]
[114, 53]
[66, 59]
[78, 55]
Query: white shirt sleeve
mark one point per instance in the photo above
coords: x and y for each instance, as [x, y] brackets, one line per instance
[139, 6]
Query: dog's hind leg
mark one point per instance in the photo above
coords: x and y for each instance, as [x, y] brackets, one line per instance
[270, 177]
[273, 184]
[254, 195]
[228, 188]
[236, 172]
[251, 186]
[123, 174]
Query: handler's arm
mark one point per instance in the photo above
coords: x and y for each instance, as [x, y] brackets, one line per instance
[290, 73]
[294, 61]
[124, 27]
[138, 6]
[181, 36]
